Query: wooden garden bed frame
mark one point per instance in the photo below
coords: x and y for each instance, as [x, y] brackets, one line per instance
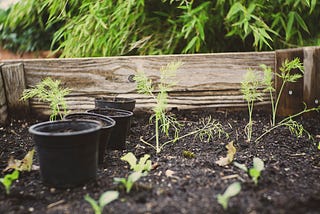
[203, 81]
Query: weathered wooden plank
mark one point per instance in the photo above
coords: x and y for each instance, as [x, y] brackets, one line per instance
[3, 101]
[311, 86]
[291, 100]
[14, 82]
[201, 75]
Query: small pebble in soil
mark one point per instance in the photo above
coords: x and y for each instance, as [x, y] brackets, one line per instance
[31, 209]
[52, 190]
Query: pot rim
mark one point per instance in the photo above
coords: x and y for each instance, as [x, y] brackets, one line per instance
[34, 128]
[124, 113]
[111, 121]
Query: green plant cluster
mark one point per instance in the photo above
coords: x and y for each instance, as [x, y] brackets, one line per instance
[164, 122]
[138, 27]
[252, 89]
[51, 91]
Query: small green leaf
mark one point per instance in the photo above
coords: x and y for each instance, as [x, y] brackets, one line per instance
[258, 164]
[241, 166]
[108, 197]
[231, 191]
[93, 203]
[131, 159]
[8, 179]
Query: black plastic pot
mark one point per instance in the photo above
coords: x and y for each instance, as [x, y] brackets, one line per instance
[123, 103]
[118, 136]
[67, 151]
[105, 132]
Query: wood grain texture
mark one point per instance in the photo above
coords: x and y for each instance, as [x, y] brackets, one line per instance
[14, 82]
[311, 86]
[204, 80]
[291, 99]
[3, 101]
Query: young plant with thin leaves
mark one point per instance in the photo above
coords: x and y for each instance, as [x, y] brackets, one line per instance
[286, 76]
[250, 90]
[105, 199]
[255, 171]
[8, 179]
[130, 181]
[144, 165]
[294, 127]
[232, 190]
[163, 121]
[49, 90]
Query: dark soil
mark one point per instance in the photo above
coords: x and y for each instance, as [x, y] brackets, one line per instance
[290, 182]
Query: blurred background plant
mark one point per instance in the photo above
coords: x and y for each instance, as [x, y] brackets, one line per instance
[81, 28]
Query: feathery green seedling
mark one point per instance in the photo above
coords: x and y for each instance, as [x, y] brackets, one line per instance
[8, 179]
[255, 171]
[128, 183]
[286, 76]
[49, 90]
[105, 199]
[163, 121]
[232, 190]
[295, 128]
[143, 165]
[249, 89]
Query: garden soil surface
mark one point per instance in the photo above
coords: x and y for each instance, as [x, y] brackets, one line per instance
[290, 182]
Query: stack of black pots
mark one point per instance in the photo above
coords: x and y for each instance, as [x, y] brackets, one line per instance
[71, 149]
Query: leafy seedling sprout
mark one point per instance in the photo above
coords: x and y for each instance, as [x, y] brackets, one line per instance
[250, 90]
[129, 182]
[143, 165]
[286, 77]
[255, 171]
[8, 179]
[232, 190]
[105, 199]
[163, 121]
[49, 90]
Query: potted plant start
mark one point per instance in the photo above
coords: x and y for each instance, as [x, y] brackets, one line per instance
[105, 132]
[67, 150]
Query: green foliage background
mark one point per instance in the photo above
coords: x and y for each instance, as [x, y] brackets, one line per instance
[81, 28]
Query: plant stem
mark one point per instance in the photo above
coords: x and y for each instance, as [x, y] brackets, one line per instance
[178, 138]
[274, 111]
[145, 142]
[158, 149]
[284, 121]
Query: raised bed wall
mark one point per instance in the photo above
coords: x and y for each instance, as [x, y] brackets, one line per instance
[203, 81]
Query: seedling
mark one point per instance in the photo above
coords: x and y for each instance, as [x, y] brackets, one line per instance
[232, 190]
[49, 90]
[105, 199]
[251, 84]
[143, 165]
[286, 76]
[255, 171]
[163, 121]
[249, 89]
[295, 128]
[128, 183]
[8, 180]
